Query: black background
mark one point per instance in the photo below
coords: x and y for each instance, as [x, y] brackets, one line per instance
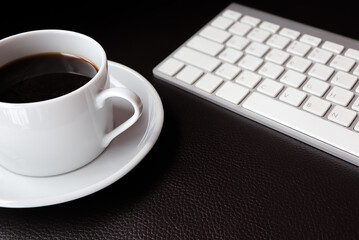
[212, 174]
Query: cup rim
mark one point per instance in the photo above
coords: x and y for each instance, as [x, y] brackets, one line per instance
[100, 71]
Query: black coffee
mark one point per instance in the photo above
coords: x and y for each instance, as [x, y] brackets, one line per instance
[43, 76]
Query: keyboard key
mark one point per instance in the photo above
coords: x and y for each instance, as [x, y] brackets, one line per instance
[227, 71]
[298, 48]
[270, 87]
[316, 87]
[292, 34]
[271, 27]
[356, 128]
[230, 55]
[208, 82]
[342, 63]
[316, 106]
[333, 47]
[222, 22]
[240, 28]
[257, 49]
[278, 41]
[292, 96]
[345, 80]
[250, 62]
[352, 53]
[340, 96]
[189, 74]
[258, 35]
[271, 70]
[319, 55]
[293, 78]
[355, 105]
[205, 45]
[314, 41]
[231, 14]
[248, 79]
[277, 56]
[197, 59]
[171, 67]
[356, 71]
[250, 20]
[237, 42]
[342, 116]
[232, 92]
[298, 63]
[215, 34]
[320, 71]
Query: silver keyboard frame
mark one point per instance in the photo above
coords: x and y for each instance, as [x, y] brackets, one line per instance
[282, 22]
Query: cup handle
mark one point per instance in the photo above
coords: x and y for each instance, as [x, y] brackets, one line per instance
[125, 94]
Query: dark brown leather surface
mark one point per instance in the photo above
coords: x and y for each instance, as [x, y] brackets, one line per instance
[212, 174]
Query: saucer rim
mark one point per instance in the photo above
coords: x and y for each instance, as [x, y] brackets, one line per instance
[111, 178]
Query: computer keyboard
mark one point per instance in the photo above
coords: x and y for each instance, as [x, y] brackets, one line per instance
[294, 78]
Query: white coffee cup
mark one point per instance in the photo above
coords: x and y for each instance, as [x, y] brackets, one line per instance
[62, 134]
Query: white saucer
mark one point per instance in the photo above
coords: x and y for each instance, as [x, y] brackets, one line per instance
[123, 154]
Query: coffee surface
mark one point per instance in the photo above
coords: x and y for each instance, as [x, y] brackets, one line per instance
[43, 76]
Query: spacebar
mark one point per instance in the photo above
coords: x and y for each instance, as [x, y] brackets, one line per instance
[304, 122]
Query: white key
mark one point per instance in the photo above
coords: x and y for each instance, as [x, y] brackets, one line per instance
[250, 62]
[342, 63]
[304, 122]
[355, 105]
[344, 80]
[340, 96]
[205, 45]
[257, 49]
[197, 59]
[316, 87]
[293, 78]
[319, 55]
[171, 67]
[316, 106]
[292, 96]
[277, 56]
[232, 92]
[222, 22]
[321, 72]
[215, 34]
[189, 74]
[298, 48]
[248, 79]
[208, 82]
[352, 53]
[271, 27]
[271, 70]
[314, 41]
[232, 14]
[239, 28]
[227, 71]
[292, 34]
[250, 20]
[333, 47]
[278, 41]
[237, 42]
[356, 128]
[270, 87]
[258, 35]
[298, 63]
[356, 71]
[230, 55]
[342, 116]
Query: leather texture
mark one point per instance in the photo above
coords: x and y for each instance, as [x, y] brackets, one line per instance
[212, 174]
